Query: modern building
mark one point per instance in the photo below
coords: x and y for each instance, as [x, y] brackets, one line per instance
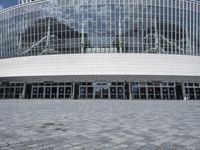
[100, 49]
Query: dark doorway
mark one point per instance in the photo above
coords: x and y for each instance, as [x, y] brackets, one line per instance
[127, 96]
[179, 92]
[28, 91]
[76, 92]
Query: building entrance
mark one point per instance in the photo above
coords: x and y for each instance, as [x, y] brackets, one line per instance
[11, 90]
[154, 90]
[51, 90]
[101, 90]
[85, 90]
[192, 90]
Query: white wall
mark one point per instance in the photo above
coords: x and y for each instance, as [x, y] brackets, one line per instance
[101, 64]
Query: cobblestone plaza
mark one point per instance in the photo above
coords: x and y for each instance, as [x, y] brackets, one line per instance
[112, 125]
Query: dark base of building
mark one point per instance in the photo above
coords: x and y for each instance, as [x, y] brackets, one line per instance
[155, 90]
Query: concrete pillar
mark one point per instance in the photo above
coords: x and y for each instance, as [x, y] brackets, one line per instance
[130, 93]
[14, 92]
[168, 92]
[24, 91]
[183, 89]
[43, 94]
[31, 92]
[4, 92]
[124, 87]
[161, 92]
[57, 92]
[109, 91]
[195, 94]
[147, 92]
[175, 96]
[73, 91]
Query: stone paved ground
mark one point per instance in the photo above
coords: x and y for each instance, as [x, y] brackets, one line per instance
[107, 125]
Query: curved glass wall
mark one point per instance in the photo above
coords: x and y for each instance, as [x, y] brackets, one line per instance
[101, 26]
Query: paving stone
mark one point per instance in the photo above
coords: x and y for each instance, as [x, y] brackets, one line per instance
[164, 140]
[128, 125]
[168, 146]
[134, 147]
[149, 147]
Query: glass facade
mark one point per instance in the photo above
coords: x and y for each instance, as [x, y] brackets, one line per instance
[101, 90]
[100, 26]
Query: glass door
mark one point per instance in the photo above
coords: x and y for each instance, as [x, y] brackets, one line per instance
[150, 93]
[11, 92]
[61, 92]
[90, 92]
[98, 92]
[18, 92]
[157, 93]
[1, 93]
[82, 91]
[105, 93]
[68, 91]
[113, 93]
[101, 90]
[120, 92]
[34, 95]
[54, 92]
[165, 93]
[191, 94]
[172, 93]
[41, 92]
[47, 92]
[136, 93]
[197, 93]
[143, 93]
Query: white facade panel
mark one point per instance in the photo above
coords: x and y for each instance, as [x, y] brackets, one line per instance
[101, 64]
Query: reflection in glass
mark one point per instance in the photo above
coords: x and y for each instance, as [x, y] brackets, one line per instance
[103, 26]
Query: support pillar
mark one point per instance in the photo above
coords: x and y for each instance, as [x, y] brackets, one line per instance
[130, 94]
[44, 92]
[24, 91]
[175, 95]
[147, 92]
[168, 92]
[73, 91]
[57, 92]
[109, 93]
[161, 92]
[124, 93]
[4, 92]
[14, 92]
[195, 94]
[183, 89]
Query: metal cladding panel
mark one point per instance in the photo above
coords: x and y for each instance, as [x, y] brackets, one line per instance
[101, 65]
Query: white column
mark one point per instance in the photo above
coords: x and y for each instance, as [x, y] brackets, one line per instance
[24, 91]
[130, 94]
[183, 89]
